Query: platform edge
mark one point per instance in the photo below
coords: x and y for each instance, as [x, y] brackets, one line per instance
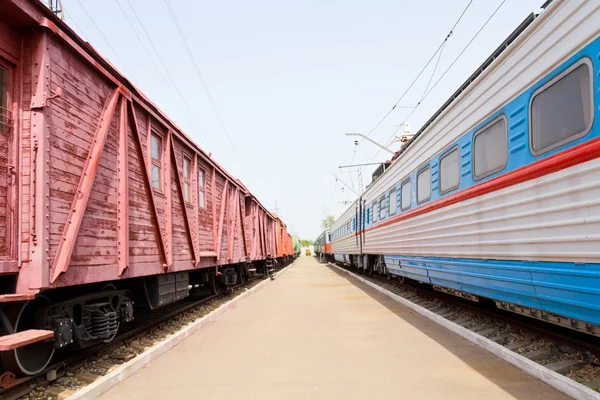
[556, 380]
[107, 382]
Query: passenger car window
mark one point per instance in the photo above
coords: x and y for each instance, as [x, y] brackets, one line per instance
[424, 185]
[156, 152]
[562, 110]
[186, 178]
[201, 188]
[374, 213]
[393, 202]
[490, 149]
[405, 194]
[382, 207]
[450, 171]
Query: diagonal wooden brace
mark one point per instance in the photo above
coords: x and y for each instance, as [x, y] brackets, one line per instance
[221, 216]
[243, 221]
[148, 182]
[186, 216]
[69, 236]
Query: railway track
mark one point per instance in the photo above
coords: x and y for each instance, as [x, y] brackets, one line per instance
[72, 372]
[567, 352]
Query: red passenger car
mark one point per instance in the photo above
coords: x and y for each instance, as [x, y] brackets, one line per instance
[103, 199]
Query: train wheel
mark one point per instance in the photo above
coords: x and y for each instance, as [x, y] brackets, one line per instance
[33, 358]
[215, 286]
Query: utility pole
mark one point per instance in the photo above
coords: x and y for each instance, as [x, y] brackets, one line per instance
[276, 209]
[359, 169]
[360, 181]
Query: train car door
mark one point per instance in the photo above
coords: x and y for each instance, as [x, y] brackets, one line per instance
[7, 168]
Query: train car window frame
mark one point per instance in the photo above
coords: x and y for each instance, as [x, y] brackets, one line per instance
[156, 163]
[374, 213]
[201, 188]
[382, 208]
[419, 174]
[402, 195]
[455, 149]
[394, 201]
[486, 129]
[6, 87]
[546, 88]
[187, 172]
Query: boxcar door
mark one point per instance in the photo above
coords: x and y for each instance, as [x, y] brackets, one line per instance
[6, 169]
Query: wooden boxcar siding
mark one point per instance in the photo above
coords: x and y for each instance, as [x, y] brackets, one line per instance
[144, 248]
[222, 194]
[26, 148]
[10, 43]
[72, 121]
[260, 246]
[10, 53]
[30, 275]
[182, 244]
[280, 237]
[4, 193]
[269, 227]
[265, 223]
[256, 235]
[250, 209]
[77, 231]
[206, 219]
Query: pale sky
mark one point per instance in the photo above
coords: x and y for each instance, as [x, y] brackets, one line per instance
[289, 78]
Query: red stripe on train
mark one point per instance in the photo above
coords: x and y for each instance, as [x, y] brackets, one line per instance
[576, 155]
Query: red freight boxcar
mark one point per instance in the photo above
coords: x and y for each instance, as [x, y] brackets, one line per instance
[284, 246]
[103, 199]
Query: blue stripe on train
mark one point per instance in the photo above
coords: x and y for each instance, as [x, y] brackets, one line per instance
[568, 289]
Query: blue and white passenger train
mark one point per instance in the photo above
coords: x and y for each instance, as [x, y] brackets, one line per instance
[498, 195]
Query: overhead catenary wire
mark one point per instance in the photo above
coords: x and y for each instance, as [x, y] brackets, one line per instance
[437, 63]
[167, 70]
[147, 52]
[445, 72]
[201, 78]
[81, 32]
[106, 40]
[438, 50]
[466, 47]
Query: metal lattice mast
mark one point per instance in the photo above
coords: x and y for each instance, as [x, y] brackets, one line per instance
[57, 8]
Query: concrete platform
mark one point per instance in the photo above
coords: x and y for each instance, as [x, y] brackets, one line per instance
[315, 334]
